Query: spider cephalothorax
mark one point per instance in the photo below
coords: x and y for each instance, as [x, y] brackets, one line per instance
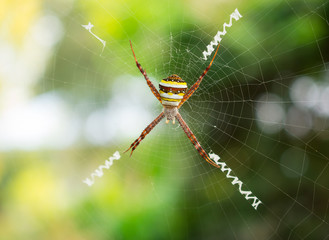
[173, 93]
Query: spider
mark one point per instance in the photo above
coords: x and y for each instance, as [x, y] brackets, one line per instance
[173, 93]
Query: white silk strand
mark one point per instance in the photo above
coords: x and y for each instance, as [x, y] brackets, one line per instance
[99, 171]
[217, 39]
[246, 194]
[89, 27]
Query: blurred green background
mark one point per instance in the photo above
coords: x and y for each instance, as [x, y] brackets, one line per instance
[66, 106]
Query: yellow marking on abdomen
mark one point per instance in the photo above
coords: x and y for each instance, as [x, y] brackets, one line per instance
[174, 83]
[170, 93]
[171, 99]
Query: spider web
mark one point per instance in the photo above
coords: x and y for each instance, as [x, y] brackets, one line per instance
[258, 115]
[263, 107]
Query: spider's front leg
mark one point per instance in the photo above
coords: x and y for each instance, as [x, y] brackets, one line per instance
[146, 131]
[194, 141]
[149, 83]
[197, 83]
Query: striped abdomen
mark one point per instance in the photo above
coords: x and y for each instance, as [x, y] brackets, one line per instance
[172, 90]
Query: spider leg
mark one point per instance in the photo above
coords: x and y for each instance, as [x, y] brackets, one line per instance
[149, 83]
[193, 139]
[197, 83]
[146, 131]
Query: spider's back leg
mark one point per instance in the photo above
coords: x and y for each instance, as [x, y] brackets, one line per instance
[194, 141]
[146, 131]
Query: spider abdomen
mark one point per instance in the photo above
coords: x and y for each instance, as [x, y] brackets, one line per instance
[172, 90]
